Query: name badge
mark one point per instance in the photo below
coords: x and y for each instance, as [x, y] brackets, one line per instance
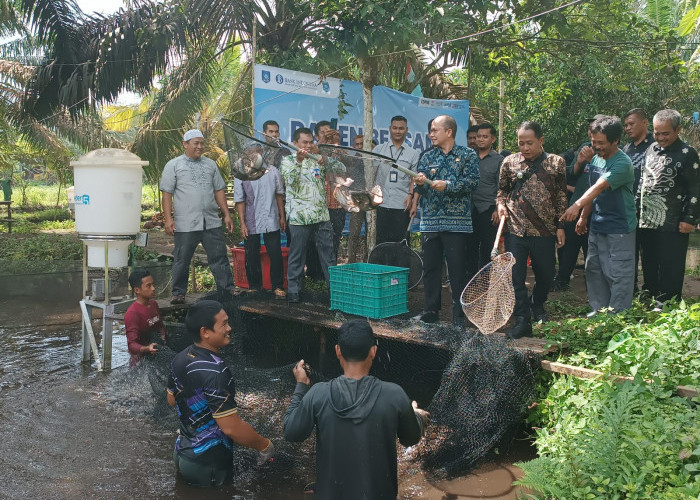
[393, 176]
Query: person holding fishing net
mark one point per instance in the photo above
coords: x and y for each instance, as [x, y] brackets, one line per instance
[304, 178]
[446, 223]
[532, 197]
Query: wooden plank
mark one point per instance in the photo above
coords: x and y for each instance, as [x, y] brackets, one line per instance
[317, 315]
[580, 372]
[542, 347]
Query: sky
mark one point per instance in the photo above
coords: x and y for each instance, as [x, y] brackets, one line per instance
[100, 6]
[108, 7]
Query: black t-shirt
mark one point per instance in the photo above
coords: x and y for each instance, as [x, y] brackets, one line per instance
[204, 390]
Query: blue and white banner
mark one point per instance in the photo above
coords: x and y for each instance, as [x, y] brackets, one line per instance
[295, 99]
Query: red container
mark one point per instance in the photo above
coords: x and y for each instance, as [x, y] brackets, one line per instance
[239, 276]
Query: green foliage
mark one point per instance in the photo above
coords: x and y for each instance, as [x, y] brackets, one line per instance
[600, 440]
[598, 57]
[662, 347]
[204, 278]
[41, 247]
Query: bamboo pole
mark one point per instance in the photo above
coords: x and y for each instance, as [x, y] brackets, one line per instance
[580, 372]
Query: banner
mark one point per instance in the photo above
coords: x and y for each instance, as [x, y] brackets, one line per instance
[295, 99]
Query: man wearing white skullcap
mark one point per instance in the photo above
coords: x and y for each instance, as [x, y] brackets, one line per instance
[193, 186]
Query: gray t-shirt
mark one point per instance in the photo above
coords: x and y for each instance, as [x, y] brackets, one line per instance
[395, 184]
[261, 211]
[192, 184]
[484, 196]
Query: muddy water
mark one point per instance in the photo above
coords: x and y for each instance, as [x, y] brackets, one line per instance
[70, 432]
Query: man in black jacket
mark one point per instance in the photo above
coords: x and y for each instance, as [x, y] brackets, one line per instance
[357, 419]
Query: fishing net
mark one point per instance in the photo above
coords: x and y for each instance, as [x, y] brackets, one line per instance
[249, 152]
[399, 254]
[476, 387]
[480, 404]
[489, 298]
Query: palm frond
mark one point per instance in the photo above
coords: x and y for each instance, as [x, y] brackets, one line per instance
[184, 93]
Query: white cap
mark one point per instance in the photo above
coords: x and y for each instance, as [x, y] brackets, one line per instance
[192, 134]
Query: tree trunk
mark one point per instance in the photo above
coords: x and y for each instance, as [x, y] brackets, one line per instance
[368, 78]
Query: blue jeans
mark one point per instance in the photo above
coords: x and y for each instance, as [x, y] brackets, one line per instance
[214, 244]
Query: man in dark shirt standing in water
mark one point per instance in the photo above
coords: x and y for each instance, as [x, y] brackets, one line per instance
[201, 386]
[357, 419]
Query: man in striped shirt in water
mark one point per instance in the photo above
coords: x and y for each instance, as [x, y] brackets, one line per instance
[202, 387]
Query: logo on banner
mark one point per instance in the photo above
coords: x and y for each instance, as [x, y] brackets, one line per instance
[279, 79]
[266, 76]
[326, 87]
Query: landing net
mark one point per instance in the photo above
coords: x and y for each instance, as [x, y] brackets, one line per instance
[488, 299]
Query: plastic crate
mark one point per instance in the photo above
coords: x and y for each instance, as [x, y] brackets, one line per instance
[241, 279]
[369, 290]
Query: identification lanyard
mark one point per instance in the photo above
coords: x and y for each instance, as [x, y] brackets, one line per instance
[392, 154]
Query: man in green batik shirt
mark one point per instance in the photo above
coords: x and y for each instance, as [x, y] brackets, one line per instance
[306, 208]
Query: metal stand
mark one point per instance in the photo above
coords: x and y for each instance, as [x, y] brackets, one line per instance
[89, 341]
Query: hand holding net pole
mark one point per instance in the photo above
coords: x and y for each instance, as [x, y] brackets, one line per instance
[489, 298]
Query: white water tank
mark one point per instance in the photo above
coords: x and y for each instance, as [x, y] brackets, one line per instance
[108, 203]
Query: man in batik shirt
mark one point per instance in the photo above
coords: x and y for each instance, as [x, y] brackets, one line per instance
[668, 207]
[532, 197]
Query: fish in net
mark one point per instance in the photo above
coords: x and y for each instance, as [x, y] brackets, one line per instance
[249, 152]
[356, 201]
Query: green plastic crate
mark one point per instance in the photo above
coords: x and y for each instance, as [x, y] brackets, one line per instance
[369, 290]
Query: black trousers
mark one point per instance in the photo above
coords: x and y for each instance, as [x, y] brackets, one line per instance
[392, 224]
[568, 254]
[541, 250]
[338, 222]
[480, 243]
[453, 246]
[663, 262]
[253, 269]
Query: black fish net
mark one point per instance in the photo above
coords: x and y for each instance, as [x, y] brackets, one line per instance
[476, 388]
[399, 254]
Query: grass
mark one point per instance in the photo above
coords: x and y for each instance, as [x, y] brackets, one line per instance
[43, 196]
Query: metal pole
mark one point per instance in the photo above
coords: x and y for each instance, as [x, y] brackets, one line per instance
[501, 105]
[106, 272]
[85, 270]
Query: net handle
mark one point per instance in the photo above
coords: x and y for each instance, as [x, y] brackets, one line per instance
[276, 142]
[494, 250]
[387, 159]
